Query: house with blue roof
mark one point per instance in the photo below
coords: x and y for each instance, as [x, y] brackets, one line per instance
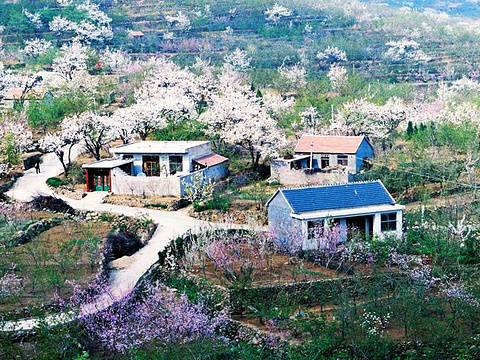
[362, 207]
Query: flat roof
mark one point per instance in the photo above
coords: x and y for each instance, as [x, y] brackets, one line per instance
[107, 164]
[211, 159]
[157, 147]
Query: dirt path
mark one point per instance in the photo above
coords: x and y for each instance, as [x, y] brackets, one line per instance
[129, 269]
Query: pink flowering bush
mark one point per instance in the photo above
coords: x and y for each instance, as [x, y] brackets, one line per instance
[159, 314]
[237, 256]
[10, 284]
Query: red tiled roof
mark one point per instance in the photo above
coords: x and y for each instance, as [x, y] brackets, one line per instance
[328, 144]
[211, 159]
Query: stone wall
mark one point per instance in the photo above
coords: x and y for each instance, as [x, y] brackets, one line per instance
[301, 177]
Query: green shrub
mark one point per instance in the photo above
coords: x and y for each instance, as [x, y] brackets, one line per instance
[76, 175]
[56, 182]
[183, 131]
[221, 203]
[11, 150]
[157, 206]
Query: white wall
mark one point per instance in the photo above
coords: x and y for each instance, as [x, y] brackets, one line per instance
[193, 153]
[123, 184]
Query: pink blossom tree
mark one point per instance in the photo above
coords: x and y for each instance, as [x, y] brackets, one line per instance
[159, 314]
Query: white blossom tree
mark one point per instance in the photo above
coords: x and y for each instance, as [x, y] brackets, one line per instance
[96, 132]
[295, 75]
[93, 130]
[277, 12]
[4, 81]
[24, 81]
[15, 137]
[96, 26]
[238, 60]
[179, 20]
[62, 143]
[276, 104]
[405, 50]
[34, 19]
[60, 24]
[72, 59]
[140, 119]
[331, 55]
[238, 117]
[119, 62]
[36, 47]
[375, 121]
[122, 123]
[338, 77]
[173, 92]
[311, 119]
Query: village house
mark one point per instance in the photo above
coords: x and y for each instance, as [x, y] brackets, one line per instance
[162, 168]
[135, 34]
[323, 159]
[356, 208]
[18, 95]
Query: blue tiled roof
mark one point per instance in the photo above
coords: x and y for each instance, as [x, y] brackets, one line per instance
[338, 196]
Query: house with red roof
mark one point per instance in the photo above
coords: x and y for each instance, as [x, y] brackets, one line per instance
[161, 168]
[323, 159]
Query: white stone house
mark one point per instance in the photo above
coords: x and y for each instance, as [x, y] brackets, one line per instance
[361, 207]
[162, 168]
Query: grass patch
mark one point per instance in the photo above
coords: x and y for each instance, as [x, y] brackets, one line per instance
[56, 182]
[220, 203]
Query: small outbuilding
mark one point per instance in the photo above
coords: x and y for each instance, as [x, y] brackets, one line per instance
[360, 207]
[323, 159]
[156, 168]
[351, 152]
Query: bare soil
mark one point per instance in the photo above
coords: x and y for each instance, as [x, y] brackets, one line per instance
[69, 252]
[240, 212]
[161, 202]
[278, 270]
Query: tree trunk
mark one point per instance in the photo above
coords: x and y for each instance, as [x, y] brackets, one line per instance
[252, 155]
[60, 154]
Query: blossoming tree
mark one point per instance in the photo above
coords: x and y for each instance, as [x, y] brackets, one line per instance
[73, 59]
[62, 143]
[238, 117]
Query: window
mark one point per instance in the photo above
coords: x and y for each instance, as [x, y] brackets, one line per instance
[151, 165]
[314, 228]
[175, 164]
[325, 161]
[197, 166]
[342, 160]
[389, 222]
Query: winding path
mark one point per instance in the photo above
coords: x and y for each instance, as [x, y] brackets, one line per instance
[127, 270]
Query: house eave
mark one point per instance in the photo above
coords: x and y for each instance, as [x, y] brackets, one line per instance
[350, 212]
